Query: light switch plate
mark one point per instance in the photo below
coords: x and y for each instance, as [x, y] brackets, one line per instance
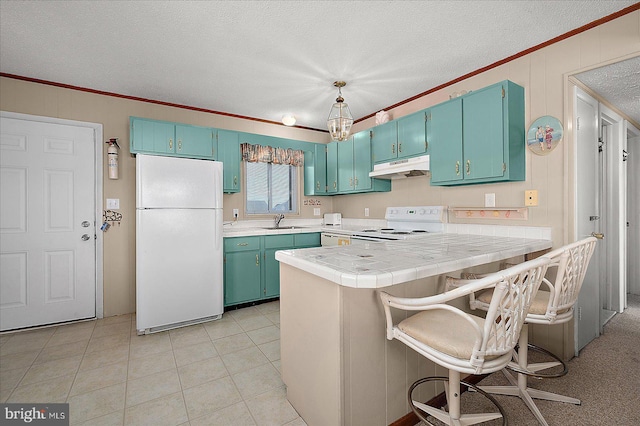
[113, 203]
[531, 197]
[490, 200]
[316, 211]
[366, 212]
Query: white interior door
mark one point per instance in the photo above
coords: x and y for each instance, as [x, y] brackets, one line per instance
[47, 225]
[633, 215]
[588, 212]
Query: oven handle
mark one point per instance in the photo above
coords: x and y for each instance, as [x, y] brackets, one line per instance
[360, 237]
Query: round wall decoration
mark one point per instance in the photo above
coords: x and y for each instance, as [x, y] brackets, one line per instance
[544, 135]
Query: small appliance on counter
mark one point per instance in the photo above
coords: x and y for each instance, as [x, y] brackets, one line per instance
[333, 219]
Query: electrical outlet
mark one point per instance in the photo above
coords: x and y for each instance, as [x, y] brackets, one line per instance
[316, 211]
[490, 200]
[531, 197]
[366, 212]
[235, 213]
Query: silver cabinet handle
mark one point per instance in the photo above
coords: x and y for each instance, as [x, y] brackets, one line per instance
[85, 237]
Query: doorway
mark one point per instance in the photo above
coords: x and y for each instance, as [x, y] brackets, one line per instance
[51, 203]
[603, 133]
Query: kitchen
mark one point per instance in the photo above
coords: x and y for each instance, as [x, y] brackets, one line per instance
[544, 90]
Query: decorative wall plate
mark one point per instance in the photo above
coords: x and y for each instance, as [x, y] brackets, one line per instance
[544, 135]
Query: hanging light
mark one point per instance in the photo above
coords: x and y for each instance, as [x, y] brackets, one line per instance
[340, 119]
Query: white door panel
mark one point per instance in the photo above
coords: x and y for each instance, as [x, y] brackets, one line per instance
[47, 191]
[588, 215]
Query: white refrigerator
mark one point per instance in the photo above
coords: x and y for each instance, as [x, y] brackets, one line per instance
[178, 242]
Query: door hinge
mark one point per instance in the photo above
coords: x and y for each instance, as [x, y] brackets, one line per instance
[577, 123]
[625, 155]
[600, 144]
[503, 92]
[504, 167]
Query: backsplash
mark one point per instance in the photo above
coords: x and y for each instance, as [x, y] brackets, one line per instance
[537, 232]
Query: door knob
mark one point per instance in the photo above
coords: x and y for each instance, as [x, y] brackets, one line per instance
[85, 224]
[85, 237]
[598, 235]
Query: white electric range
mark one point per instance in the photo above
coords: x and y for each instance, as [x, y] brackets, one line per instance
[404, 223]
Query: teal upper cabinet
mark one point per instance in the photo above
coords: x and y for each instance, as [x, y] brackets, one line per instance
[384, 142]
[165, 138]
[229, 153]
[402, 138]
[354, 165]
[315, 171]
[332, 168]
[479, 137]
[446, 142]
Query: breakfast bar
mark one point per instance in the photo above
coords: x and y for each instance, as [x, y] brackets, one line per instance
[338, 367]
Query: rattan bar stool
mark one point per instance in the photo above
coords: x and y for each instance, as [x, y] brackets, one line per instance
[553, 304]
[478, 346]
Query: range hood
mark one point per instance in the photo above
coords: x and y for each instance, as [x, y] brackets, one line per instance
[398, 169]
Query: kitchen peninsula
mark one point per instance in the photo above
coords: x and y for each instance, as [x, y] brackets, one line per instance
[338, 367]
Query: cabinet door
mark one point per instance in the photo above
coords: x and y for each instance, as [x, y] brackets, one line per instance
[345, 166]
[306, 240]
[271, 273]
[154, 137]
[384, 140]
[332, 168]
[242, 277]
[362, 161]
[320, 169]
[483, 133]
[194, 141]
[412, 135]
[229, 154]
[445, 145]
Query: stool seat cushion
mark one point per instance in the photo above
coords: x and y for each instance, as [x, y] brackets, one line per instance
[538, 307]
[444, 331]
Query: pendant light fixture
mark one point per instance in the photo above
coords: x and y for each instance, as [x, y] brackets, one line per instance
[340, 119]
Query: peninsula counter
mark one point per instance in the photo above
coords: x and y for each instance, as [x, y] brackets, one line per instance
[338, 367]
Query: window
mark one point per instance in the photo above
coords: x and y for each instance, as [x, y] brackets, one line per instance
[271, 188]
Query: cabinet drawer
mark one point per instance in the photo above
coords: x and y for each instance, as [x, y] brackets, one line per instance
[278, 241]
[241, 244]
[307, 240]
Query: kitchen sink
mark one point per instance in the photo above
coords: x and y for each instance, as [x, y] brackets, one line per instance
[284, 227]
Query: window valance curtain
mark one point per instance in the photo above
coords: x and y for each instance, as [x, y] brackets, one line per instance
[269, 154]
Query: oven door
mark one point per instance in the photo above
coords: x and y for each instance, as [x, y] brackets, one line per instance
[329, 239]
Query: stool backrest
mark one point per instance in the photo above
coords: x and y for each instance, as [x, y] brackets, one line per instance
[512, 297]
[571, 262]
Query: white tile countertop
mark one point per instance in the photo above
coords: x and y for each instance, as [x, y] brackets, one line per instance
[382, 264]
[295, 226]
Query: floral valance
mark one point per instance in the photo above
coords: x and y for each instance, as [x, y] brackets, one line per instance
[269, 154]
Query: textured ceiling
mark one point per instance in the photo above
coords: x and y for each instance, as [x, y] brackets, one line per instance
[618, 83]
[263, 59]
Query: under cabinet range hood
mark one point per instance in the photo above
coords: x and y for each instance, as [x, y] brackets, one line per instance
[398, 169]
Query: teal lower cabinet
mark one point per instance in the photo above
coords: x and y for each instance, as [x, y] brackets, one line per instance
[242, 271]
[273, 243]
[251, 271]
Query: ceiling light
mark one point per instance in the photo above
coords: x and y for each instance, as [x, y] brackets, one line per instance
[340, 118]
[288, 120]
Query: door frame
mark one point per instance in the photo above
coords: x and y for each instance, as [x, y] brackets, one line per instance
[98, 138]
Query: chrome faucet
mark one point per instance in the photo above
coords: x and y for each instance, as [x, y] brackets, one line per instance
[277, 220]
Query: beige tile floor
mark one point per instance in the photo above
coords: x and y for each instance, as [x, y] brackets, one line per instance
[224, 372]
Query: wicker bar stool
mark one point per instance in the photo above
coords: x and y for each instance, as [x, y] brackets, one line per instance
[478, 346]
[553, 304]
